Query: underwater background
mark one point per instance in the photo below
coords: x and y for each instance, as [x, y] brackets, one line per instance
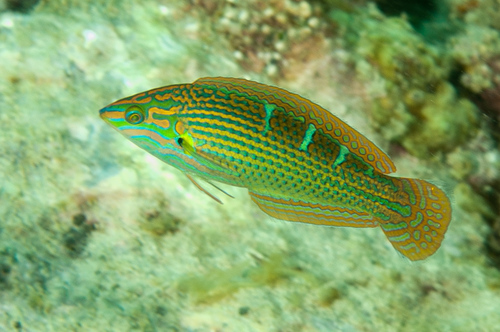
[98, 235]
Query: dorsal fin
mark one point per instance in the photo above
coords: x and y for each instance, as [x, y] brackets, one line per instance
[323, 120]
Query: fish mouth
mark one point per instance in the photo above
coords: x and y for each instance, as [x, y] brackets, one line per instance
[102, 112]
[109, 112]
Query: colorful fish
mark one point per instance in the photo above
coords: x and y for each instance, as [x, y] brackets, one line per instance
[298, 161]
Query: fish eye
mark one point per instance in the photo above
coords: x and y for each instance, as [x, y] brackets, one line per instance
[134, 115]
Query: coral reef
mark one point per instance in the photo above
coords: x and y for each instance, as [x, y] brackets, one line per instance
[476, 12]
[416, 105]
[476, 50]
[266, 35]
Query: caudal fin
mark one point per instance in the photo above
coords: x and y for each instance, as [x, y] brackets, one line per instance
[419, 235]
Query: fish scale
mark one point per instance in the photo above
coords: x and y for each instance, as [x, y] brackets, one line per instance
[299, 162]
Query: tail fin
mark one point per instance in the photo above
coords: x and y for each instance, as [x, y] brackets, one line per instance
[420, 234]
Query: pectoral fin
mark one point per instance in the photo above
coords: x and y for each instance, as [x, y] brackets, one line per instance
[203, 189]
[215, 198]
[204, 158]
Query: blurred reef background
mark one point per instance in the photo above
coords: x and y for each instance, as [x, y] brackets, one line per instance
[97, 235]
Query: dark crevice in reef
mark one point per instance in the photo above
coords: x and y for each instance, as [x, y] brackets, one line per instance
[418, 12]
[488, 103]
[428, 17]
[75, 239]
[492, 194]
[21, 6]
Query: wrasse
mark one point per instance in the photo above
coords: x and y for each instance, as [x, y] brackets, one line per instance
[298, 161]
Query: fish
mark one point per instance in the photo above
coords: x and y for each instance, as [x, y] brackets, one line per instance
[298, 161]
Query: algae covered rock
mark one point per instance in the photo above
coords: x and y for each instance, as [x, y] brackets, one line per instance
[476, 12]
[413, 103]
[444, 122]
[399, 54]
[477, 51]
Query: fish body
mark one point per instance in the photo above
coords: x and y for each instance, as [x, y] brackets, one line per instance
[298, 161]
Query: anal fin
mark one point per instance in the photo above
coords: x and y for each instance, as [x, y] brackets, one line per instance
[318, 214]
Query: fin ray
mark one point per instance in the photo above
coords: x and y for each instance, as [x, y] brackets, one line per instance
[220, 189]
[204, 190]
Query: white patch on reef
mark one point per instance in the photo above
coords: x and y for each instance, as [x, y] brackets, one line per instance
[164, 10]
[7, 22]
[78, 131]
[90, 36]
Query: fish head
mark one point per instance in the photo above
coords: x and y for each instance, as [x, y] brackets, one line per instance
[151, 123]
